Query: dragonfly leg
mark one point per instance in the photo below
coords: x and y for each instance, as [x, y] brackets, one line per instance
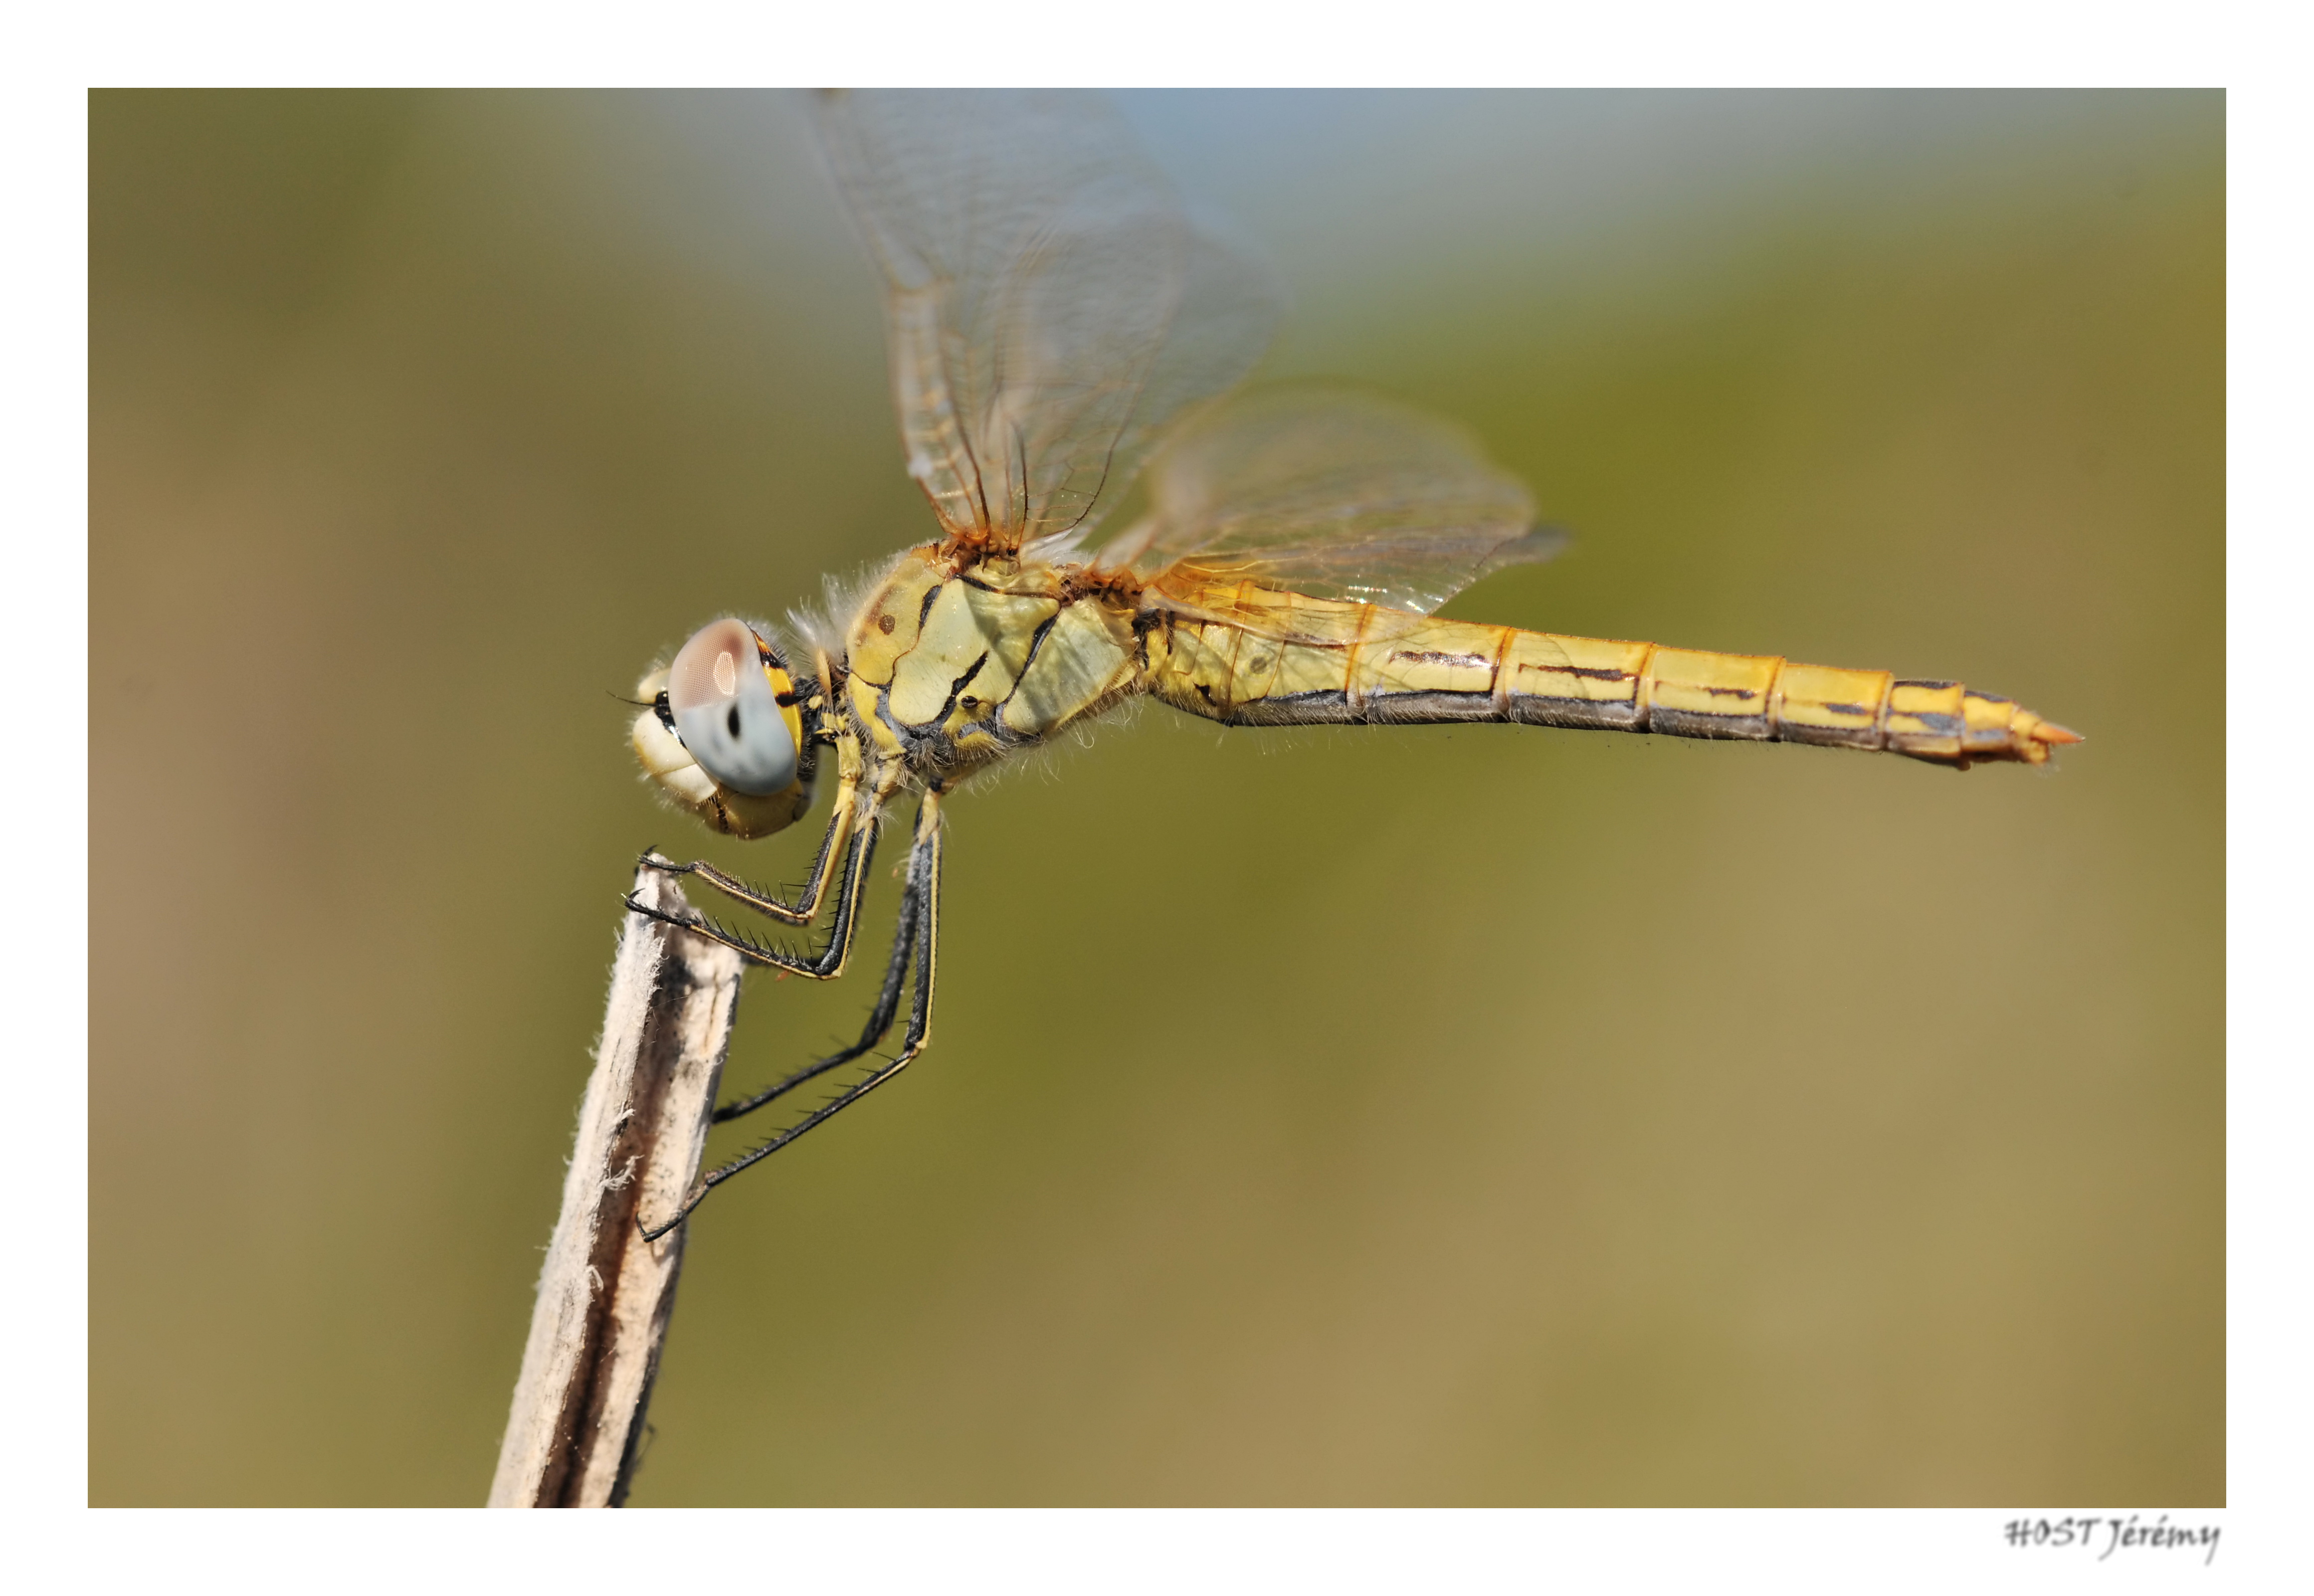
[804, 909]
[922, 908]
[880, 1018]
[823, 966]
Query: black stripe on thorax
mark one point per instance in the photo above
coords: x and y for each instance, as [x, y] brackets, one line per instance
[1036, 641]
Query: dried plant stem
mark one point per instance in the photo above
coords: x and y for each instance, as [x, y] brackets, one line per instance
[604, 1294]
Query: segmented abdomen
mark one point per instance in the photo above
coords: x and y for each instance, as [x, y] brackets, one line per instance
[1261, 658]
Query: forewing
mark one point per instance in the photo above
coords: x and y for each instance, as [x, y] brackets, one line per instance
[1049, 304]
[1333, 492]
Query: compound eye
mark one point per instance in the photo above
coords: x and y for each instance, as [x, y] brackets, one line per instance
[727, 714]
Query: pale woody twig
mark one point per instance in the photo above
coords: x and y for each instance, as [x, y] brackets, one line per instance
[605, 1294]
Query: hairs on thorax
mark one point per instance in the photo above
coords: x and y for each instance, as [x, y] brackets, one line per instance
[824, 627]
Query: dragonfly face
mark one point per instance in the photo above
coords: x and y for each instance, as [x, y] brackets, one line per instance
[723, 734]
[1056, 323]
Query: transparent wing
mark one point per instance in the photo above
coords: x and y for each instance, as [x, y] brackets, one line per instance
[1333, 492]
[1049, 304]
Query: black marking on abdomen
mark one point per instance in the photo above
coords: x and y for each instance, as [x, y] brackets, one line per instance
[1691, 723]
[1322, 707]
[1437, 656]
[1332, 707]
[1587, 714]
[1419, 708]
[1829, 736]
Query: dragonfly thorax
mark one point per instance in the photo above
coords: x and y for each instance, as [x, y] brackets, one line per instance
[957, 662]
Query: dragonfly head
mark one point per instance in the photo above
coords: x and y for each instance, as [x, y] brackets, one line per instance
[722, 735]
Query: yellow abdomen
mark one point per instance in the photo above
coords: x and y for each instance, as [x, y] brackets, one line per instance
[1250, 656]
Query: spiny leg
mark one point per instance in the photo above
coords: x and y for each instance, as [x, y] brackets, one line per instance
[880, 1018]
[805, 910]
[829, 961]
[923, 894]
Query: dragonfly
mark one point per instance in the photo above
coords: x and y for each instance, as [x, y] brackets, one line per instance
[1062, 333]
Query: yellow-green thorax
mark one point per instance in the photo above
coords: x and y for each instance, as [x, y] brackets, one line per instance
[954, 664]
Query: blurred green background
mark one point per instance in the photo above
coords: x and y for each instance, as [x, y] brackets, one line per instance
[1432, 1116]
